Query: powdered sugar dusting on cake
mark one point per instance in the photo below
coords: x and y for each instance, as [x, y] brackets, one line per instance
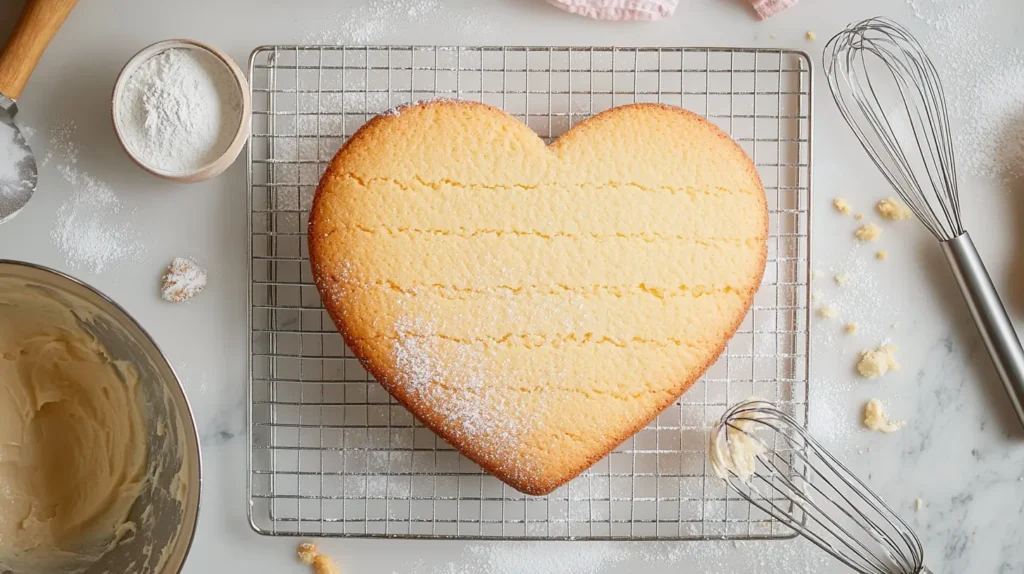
[459, 382]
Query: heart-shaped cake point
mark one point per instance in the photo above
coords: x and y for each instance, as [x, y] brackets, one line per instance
[537, 305]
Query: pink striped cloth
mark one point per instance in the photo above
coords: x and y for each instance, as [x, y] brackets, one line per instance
[651, 9]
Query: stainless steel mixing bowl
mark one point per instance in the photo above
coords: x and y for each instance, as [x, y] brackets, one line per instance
[166, 510]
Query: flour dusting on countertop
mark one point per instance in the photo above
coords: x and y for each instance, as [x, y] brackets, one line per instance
[860, 299]
[372, 21]
[790, 556]
[828, 419]
[92, 230]
[984, 85]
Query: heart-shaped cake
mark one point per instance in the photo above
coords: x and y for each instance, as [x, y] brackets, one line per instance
[535, 305]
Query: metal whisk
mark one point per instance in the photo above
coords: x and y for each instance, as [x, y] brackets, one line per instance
[874, 67]
[769, 459]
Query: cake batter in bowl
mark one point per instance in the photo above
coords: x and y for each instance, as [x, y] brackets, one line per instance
[99, 457]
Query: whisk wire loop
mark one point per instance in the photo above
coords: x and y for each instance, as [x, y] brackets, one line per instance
[795, 480]
[871, 102]
[802, 501]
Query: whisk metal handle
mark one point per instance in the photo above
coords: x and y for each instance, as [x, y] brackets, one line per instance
[990, 316]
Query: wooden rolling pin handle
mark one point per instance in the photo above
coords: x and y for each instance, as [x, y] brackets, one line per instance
[39, 21]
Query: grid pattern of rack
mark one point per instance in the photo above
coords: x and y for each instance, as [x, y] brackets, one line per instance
[332, 454]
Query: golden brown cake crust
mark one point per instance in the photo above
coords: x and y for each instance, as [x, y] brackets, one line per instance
[535, 305]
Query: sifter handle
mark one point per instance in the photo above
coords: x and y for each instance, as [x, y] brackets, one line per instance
[39, 21]
[989, 315]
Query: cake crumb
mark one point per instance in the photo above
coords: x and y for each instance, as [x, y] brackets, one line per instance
[828, 312]
[811, 35]
[877, 362]
[859, 216]
[841, 279]
[321, 563]
[892, 208]
[882, 255]
[852, 328]
[876, 419]
[307, 552]
[184, 280]
[868, 232]
[774, 36]
[918, 504]
[842, 206]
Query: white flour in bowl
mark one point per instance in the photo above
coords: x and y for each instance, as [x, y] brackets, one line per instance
[179, 111]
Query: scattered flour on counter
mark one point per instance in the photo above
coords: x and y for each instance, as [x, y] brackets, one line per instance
[91, 229]
[372, 21]
[828, 419]
[511, 560]
[983, 82]
[994, 145]
[61, 143]
[763, 557]
[860, 300]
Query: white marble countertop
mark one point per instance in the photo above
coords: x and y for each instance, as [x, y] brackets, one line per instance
[959, 453]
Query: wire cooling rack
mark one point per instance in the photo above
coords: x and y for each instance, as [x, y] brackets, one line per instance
[332, 454]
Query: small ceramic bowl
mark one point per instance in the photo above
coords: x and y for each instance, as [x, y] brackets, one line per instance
[220, 163]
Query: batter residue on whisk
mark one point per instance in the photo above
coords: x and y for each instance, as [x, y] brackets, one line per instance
[179, 111]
